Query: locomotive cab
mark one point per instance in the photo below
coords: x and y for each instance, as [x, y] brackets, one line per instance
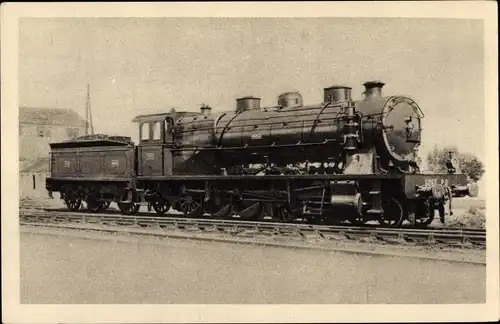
[154, 154]
[161, 150]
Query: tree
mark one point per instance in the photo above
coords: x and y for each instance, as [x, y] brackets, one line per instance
[436, 160]
[470, 165]
[467, 163]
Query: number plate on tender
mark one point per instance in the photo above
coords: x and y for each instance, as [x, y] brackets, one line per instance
[435, 181]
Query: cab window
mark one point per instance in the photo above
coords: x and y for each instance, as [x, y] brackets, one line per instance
[168, 129]
[156, 131]
[145, 132]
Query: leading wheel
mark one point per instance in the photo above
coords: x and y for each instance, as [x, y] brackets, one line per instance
[393, 213]
[425, 215]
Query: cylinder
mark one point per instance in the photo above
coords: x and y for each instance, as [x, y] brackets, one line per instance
[247, 103]
[290, 100]
[373, 89]
[353, 202]
[337, 94]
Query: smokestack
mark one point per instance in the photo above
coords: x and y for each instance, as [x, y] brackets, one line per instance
[337, 94]
[373, 89]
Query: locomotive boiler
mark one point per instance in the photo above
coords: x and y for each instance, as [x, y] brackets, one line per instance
[382, 133]
[256, 162]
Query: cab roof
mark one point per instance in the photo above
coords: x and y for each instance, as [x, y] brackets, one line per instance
[162, 116]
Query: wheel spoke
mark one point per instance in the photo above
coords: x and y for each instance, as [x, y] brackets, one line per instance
[188, 206]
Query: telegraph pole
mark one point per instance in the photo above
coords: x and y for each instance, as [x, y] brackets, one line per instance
[88, 114]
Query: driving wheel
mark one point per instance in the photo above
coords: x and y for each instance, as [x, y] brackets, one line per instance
[189, 206]
[129, 208]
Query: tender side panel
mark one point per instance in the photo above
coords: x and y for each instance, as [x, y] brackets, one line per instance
[96, 163]
[90, 163]
[117, 163]
[64, 164]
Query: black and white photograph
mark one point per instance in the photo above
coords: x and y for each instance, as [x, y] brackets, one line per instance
[223, 162]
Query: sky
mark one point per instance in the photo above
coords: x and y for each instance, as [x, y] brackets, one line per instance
[146, 65]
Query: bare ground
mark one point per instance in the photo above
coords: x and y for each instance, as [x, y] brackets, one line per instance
[62, 268]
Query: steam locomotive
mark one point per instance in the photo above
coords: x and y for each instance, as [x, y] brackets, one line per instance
[339, 160]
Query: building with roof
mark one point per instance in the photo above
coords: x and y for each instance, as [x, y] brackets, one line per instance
[38, 127]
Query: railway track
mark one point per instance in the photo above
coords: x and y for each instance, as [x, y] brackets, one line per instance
[466, 238]
[114, 212]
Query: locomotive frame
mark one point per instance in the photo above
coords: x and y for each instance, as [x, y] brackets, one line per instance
[204, 165]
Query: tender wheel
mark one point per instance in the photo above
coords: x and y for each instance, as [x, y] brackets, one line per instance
[161, 206]
[189, 206]
[129, 208]
[393, 213]
[73, 204]
[95, 206]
